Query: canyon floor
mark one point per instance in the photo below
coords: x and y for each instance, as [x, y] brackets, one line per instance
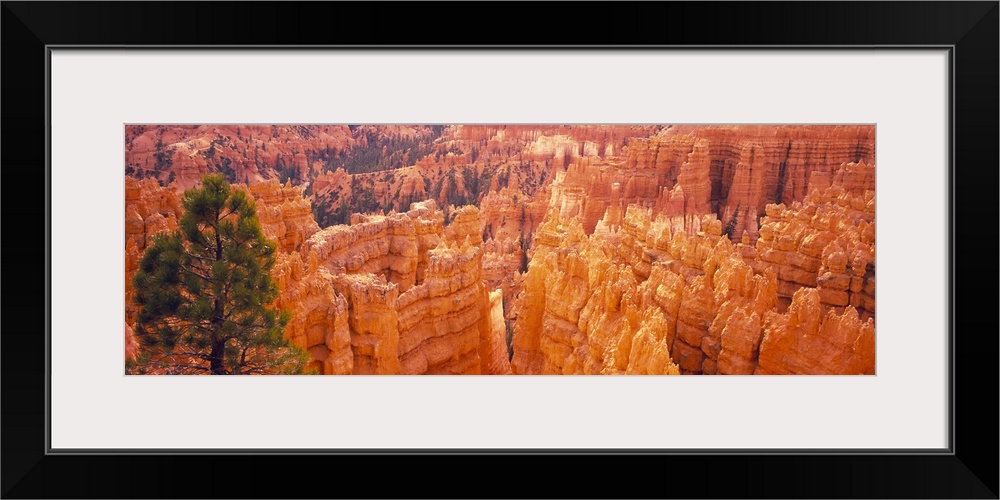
[542, 249]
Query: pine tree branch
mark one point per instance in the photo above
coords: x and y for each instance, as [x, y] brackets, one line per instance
[196, 273]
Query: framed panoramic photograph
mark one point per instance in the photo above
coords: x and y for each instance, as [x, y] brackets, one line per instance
[701, 255]
[500, 249]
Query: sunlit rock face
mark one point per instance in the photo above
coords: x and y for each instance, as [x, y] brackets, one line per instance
[806, 341]
[685, 172]
[248, 153]
[399, 293]
[647, 228]
[285, 215]
[149, 209]
[582, 310]
[402, 294]
[646, 300]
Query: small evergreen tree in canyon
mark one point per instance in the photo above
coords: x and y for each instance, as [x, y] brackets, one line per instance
[204, 291]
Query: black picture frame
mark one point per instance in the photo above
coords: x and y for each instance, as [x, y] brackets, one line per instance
[967, 470]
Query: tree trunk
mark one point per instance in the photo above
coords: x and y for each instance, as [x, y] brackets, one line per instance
[218, 347]
[218, 356]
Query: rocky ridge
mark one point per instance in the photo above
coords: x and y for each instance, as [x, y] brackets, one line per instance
[719, 307]
[685, 172]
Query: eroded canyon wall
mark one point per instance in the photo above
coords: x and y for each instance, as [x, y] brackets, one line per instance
[399, 293]
[149, 209]
[246, 153]
[685, 172]
[799, 300]
[389, 294]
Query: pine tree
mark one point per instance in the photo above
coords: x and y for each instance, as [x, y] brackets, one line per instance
[731, 226]
[204, 291]
[524, 251]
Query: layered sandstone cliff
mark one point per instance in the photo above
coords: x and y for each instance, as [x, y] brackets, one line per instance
[560, 144]
[246, 153]
[149, 209]
[826, 242]
[718, 307]
[580, 311]
[807, 340]
[285, 215]
[686, 172]
[399, 293]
